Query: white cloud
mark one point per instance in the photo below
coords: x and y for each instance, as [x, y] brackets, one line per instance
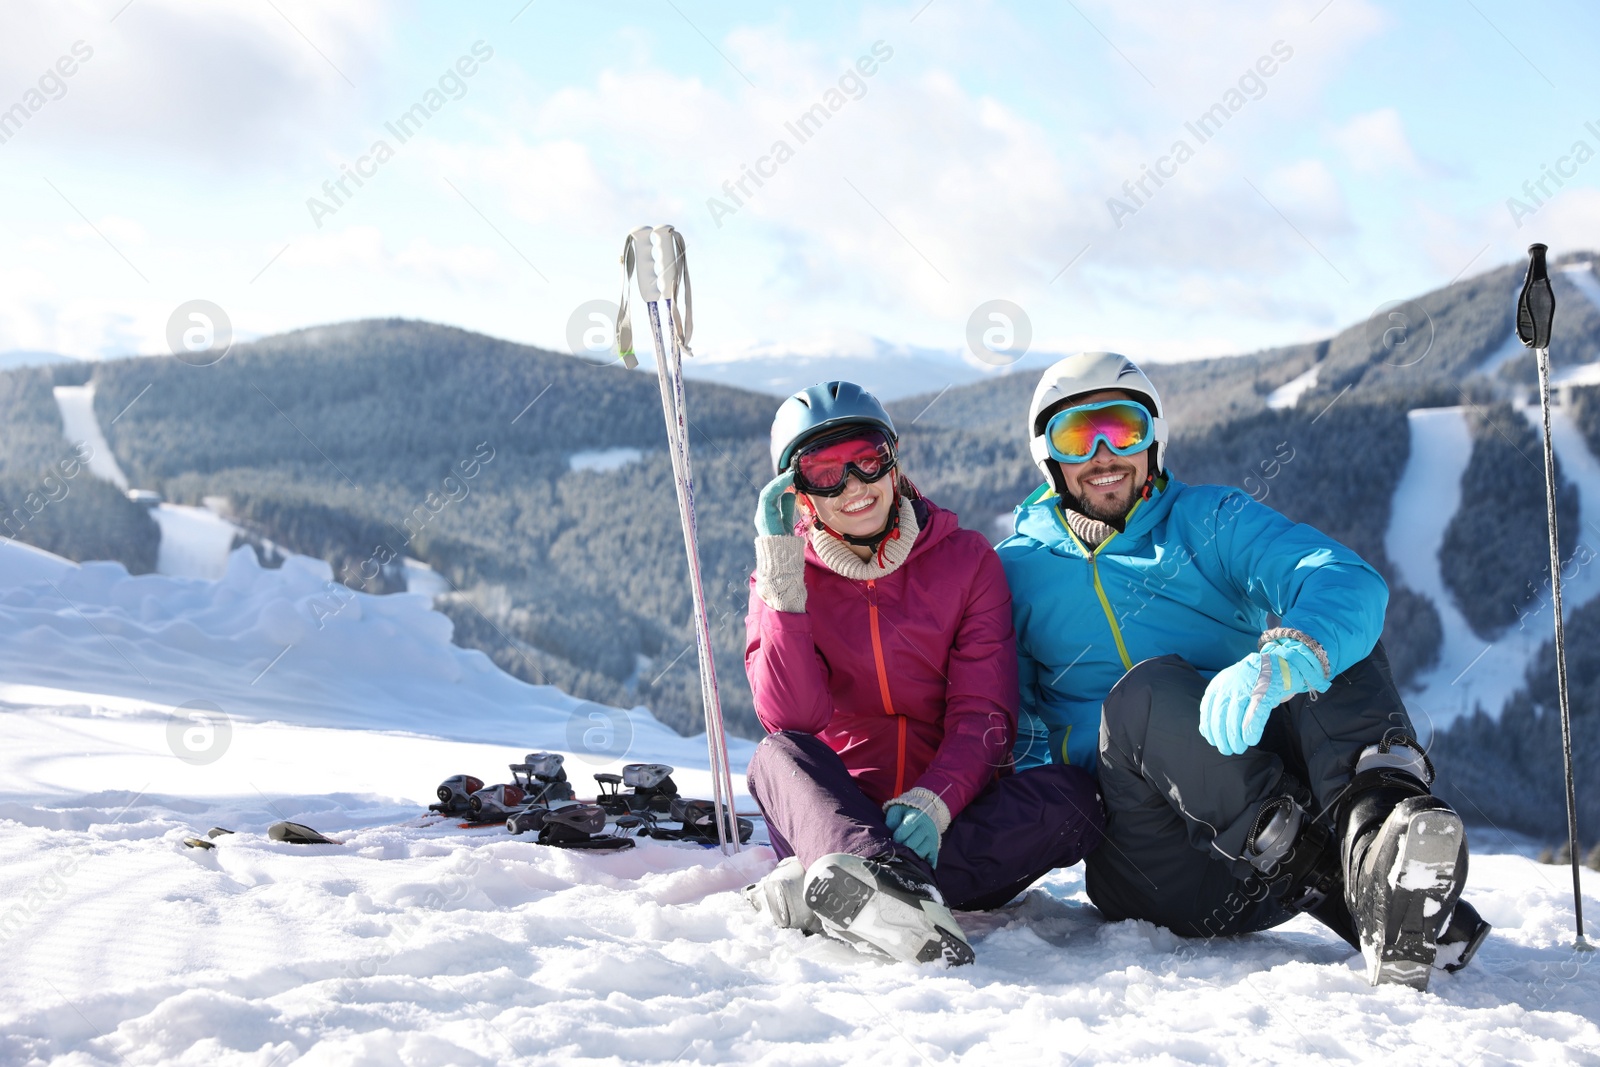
[1375, 143]
[115, 227]
[224, 85]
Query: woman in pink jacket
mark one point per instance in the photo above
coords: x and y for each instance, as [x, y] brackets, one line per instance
[882, 660]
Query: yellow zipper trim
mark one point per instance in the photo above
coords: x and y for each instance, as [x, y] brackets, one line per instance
[1099, 590]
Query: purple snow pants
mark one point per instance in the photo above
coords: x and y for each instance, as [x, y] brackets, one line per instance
[1016, 831]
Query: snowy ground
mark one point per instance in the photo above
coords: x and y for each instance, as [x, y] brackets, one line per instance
[416, 945]
[429, 944]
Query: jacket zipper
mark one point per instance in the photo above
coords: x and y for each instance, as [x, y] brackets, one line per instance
[883, 687]
[1099, 590]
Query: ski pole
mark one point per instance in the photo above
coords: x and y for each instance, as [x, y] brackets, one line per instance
[638, 257]
[679, 319]
[1536, 309]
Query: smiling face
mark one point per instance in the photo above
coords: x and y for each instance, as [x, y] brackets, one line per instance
[860, 511]
[1106, 486]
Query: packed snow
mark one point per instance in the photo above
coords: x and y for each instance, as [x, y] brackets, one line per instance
[415, 941]
[1472, 672]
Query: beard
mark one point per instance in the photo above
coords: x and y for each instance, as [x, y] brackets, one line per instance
[1108, 509]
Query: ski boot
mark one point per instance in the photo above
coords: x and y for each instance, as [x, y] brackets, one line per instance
[1297, 854]
[886, 907]
[1462, 937]
[781, 895]
[542, 778]
[1460, 941]
[650, 788]
[1404, 857]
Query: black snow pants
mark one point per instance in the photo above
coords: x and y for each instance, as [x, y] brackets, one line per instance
[1178, 812]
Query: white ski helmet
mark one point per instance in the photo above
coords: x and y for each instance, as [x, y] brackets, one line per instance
[1091, 372]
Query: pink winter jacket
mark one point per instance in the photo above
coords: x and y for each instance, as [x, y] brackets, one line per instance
[910, 678]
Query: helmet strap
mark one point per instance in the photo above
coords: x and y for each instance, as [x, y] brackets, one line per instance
[876, 542]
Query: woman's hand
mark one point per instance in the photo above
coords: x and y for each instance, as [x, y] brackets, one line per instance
[775, 511]
[915, 830]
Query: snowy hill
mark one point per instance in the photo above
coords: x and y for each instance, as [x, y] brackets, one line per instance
[283, 645]
[408, 943]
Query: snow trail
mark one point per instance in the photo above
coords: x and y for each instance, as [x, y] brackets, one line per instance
[1289, 393]
[78, 423]
[1471, 671]
[194, 541]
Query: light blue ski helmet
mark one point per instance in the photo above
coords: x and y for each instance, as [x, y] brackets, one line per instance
[818, 408]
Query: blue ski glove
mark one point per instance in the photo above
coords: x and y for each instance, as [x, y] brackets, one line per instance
[775, 512]
[1237, 702]
[915, 830]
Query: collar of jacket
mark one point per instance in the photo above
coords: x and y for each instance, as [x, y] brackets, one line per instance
[837, 556]
[1039, 516]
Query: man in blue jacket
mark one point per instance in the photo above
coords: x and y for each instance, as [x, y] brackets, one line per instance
[1219, 666]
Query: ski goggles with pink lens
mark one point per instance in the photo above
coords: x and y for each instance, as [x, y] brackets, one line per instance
[1074, 435]
[823, 468]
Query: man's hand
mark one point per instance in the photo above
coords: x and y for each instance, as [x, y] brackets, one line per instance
[915, 830]
[1238, 701]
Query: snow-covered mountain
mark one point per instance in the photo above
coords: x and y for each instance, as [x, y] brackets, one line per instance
[890, 371]
[413, 943]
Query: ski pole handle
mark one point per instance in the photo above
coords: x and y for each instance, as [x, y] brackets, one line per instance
[645, 264]
[1536, 306]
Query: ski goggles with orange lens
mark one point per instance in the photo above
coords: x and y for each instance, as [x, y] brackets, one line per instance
[823, 468]
[1074, 435]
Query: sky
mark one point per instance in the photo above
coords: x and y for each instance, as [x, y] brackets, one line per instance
[958, 153]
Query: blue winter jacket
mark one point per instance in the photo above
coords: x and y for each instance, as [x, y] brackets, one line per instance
[1198, 570]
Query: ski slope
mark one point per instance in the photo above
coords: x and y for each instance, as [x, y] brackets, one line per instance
[1289, 393]
[195, 542]
[78, 423]
[416, 944]
[1471, 671]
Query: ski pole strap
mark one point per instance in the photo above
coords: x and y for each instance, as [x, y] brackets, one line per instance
[675, 276]
[624, 314]
[636, 258]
